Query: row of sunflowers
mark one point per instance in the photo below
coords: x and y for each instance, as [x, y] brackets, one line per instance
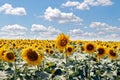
[60, 59]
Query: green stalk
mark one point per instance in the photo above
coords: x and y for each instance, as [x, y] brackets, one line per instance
[89, 68]
[2, 64]
[116, 69]
[15, 72]
[75, 64]
[66, 60]
[43, 65]
[65, 56]
[99, 70]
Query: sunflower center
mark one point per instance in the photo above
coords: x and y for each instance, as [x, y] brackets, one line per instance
[90, 47]
[69, 49]
[53, 45]
[95, 59]
[112, 53]
[115, 47]
[47, 50]
[101, 51]
[10, 56]
[32, 56]
[63, 42]
[51, 52]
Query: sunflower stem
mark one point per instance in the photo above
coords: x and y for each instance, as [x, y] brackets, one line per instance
[99, 69]
[43, 65]
[15, 71]
[75, 64]
[116, 69]
[25, 69]
[66, 60]
[66, 57]
[89, 67]
[2, 64]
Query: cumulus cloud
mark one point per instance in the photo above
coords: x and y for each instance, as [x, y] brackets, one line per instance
[80, 34]
[9, 9]
[37, 31]
[70, 3]
[13, 31]
[61, 17]
[90, 34]
[101, 33]
[85, 35]
[86, 4]
[112, 36]
[14, 27]
[83, 6]
[77, 32]
[98, 25]
[104, 26]
[41, 31]
[106, 31]
[38, 28]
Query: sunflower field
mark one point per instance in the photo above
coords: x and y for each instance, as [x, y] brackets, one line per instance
[59, 59]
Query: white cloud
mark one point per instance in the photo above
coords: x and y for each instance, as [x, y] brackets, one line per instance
[80, 34]
[76, 32]
[104, 2]
[43, 32]
[70, 3]
[61, 17]
[83, 6]
[104, 27]
[14, 27]
[38, 28]
[83, 35]
[86, 4]
[98, 25]
[106, 31]
[113, 36]
[101, 33]
[13, 31]
[111, 29]
[37, 31]
[8, 9]
[90, 34]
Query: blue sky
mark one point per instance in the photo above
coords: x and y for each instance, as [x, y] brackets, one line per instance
[45, 19]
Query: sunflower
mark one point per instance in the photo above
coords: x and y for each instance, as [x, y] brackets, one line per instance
[95, 59]
[89, 47]
[31, 56]
[80, 42]
[62, 40]
[69, 50]
[101, 51]
[53, 45]
[9, 56]
[51, 51]
[2, 51]
[112, 54]
[81, 49]
[47, 50]
[61, 50]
